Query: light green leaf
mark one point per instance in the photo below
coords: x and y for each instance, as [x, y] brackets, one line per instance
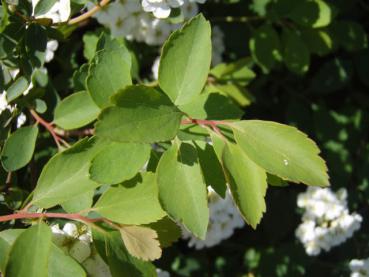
[296, 56]
[63, 265]
[90, 40]
[119, 162]
[110, 71]
[141, 114]
[79, 202]
[282, 150]
[265, 47]
[16, 89]
[19, 147]
[133, 202]
[66, 174]
[185, 61]
[75, 111]
[247, 182]
[182, 190]
[43, 6]
[7, 239]
[312, 13]
[238, 94]
[30, 253]
[141, 242]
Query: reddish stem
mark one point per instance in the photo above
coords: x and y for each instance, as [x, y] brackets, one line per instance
[26, 215]
[204, 122]
[48, 127]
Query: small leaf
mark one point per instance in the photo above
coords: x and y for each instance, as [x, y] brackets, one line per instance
[182, 190]
[282, 150]
[43, 6]
[141, 114]
[312, 13]
[350, 35]
[248, 183]
[75, 111]
[319, 41]
[16, 89]
[19, 147]
[185, 61]
[119, 162]
[30, 253]
[108, 73]
[141, 242]
[265, 47]
[133, 202]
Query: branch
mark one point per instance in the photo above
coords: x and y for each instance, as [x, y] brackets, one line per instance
[88, 14]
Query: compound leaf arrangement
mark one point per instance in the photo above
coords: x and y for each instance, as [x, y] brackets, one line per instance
[147, 152]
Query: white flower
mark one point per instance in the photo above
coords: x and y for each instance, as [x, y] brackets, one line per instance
[161, 8]
[59, 12]
[326, 220]
[359, 268]
[224, 219]
[51, 47]
[21, 119]
[162, 273]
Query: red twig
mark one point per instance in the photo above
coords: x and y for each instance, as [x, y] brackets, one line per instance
[204, 122]
[23, 215]
[50, 127]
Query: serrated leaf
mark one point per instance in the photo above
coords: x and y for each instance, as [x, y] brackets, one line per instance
[108, 73]
[296, 56]
[312, 13]
[182, 190]
[133, 202]
[168, 231]
[282, 150]
[75, 111]
[141, 114]
[247, 182]
[112, 250]
[30, 253]
[119, 162]
[19, 147]
[63, 265]
[185, 61]
[265, 47]
[141, 242]
[66, 174]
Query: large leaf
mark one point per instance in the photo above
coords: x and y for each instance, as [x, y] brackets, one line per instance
[66, 174]
[112, 250]
[7, 239]
[119, 162]
[75, 111]
[182, 190]
[141, 242]
[141, 114]
[133, 202]
[110, 71]
[282, 150]
[30, 253]
[63, 265]
[185, 61]
[265, 47]
[19, 147]
[248, 183]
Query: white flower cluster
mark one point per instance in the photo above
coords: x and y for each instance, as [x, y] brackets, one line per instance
[126, 18]
[76, 240]
[162, 8]
[326, 221]
[359, 268]
[224, 219]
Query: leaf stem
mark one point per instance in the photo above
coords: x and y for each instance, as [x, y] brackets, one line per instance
[88, 14]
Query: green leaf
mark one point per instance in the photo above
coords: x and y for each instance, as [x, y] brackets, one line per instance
[36, 48]
[108, 73]
[296, 56]
[63, 265]
[119, 162]
[141, 114]
[350, 35]
[75, 111]
[4, 16]
[66, 174]
[90, 40]
[248, 183]
[79, 203]
[238, 94]
[182, 190]
[265, 47]
[312, 13]
[112, 250]
[212, 106]
[141, 242]
[79, 77]
[19, 147]
[30, 253]
[168, 231]
[319, 42]
[133, 202]
[211, 168]
[185, 61]
[7, 239]
[43, 6]
[282, 150]
[16, 89]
